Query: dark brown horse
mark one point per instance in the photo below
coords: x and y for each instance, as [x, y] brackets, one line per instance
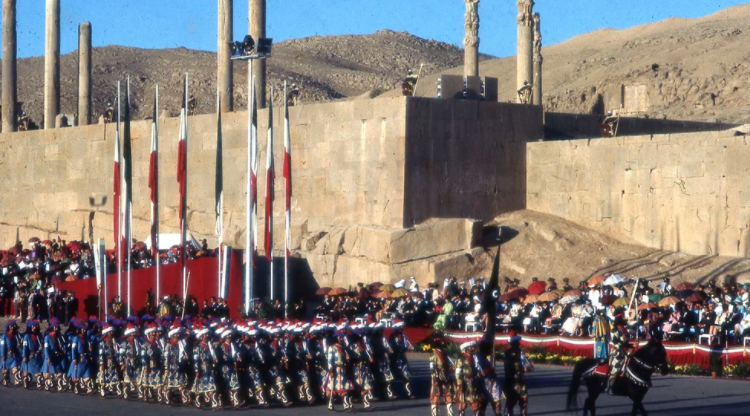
[633, 384]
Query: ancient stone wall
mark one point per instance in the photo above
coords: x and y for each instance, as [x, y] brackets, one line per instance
[466, 159]
[347, 162]
[686, 192]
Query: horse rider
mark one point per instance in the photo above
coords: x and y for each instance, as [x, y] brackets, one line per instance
[618, 354]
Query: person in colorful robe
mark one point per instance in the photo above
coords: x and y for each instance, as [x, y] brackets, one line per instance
[128, 357]
[226, 361]
[79, 372]
[109, 376]
[299, 357]
[204, 363]
[619, 354]
[32, 354]
[602, 331]
[467, 395]
[515, 363]
[10, 354]
[399, 346]
[339, 383]
[441, 383]
[150, 379]
[361, 360]
[54, 353]
[174, 356]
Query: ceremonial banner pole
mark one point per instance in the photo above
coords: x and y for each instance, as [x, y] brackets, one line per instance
[128, 174]
[270, 176]
[219, 200]
[287, 168]
[117, 198]
[182, 181]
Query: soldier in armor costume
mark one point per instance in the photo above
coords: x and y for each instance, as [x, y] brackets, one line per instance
[54, 353]
[32, 355]
[298, 356]
[276, 364]
[515, 377]
[618, 355]
[339, 383]
[467, 392]
[399, 345]
[360, 362]
[204, 366]
[441, 370]
[226, 361]
[129, 359]
[174, 356]
[109, 377]
[150, 380]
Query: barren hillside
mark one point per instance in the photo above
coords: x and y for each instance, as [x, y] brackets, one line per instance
[682, 62]
[325, 67]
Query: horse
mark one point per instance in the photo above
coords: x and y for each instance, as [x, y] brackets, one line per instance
[634, 384]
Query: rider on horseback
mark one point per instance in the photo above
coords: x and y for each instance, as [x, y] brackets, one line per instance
[619, 353]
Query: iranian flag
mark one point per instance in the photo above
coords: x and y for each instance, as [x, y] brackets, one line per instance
[288, 197]
[153, 185]
[219, 194]
[270, 176]
[117, 188]
[182, 182]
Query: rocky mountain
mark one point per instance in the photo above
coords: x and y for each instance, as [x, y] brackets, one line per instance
[324, 67]
[693, 69]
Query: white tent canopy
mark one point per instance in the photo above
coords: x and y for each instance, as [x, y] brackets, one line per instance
[166, 241]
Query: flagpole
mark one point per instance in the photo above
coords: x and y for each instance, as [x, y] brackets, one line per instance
[155, 243]
[119, 215]
[249, 229]
[129, 205]
[218, 204]
[287, 233]
[184, 196]
[270, 194]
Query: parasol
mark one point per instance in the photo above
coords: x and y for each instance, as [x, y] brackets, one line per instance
[684, 286]
[384, 295]
[399, 293]
[621, 302]
[574, 292]
[654, 297]
[374, 287]
[549, 296]
[569, 299]
[531, 299]
[607, 300]
[650, 305]
[387, 288]
[596, 280]
[364, 295]
[614, 280]
[536, 288]
[695, 298]
[323, 291]
[337, 291]
[34, 240]
[559, 292]
[669, 300]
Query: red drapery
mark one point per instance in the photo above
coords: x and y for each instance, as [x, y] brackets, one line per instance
[202, 285]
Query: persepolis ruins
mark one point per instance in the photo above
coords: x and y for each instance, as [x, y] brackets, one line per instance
[386, 187]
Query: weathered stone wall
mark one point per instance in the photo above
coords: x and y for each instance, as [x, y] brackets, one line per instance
[466, 159]
[347, 163]
[686, 192]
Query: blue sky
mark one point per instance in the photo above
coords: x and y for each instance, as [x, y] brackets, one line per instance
[192, 23]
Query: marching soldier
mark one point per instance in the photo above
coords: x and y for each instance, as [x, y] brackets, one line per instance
[339, 383]
[298, 355]
[31, 354]
[204, 364]
[54, 353]
[79, 373]
[10, 356]
[515, 377]
[149, 382]
[173, 357]
[128, 356]
[467, 394]
[441, 368]
[361, 360]
[399, 345]
[109, 377]
[226, 360]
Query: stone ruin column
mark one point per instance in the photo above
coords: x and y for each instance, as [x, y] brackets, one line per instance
[224, 70]
[537, 60]
[471, 40]
[52, 64]
[84, 74]
[10, 51]
[525, 66]
[257, 29]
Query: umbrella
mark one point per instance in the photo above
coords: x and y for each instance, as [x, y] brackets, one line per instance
[532, 299]
[684, 286]
[654, 297]
[669, 300]
[621, 302]
[74, 246]
[560, 292]
[375, 286]
[569, 299]
[549, 296]
[694, 298]
[364, 295]
[607, 300]
[34, 240]
[384, 295]
[614, 280]
[574, 292]
[537, 287]
[336, 292]
[387, 288]
[399, 293]
[323, 291]
[47, 243]
[650, 305]
[596, 280]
